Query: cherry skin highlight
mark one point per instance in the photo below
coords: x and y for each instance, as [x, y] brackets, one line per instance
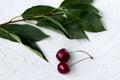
[63, 68]
[63, 55]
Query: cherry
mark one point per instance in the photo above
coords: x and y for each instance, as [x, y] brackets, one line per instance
[63, 55]
[63, 68]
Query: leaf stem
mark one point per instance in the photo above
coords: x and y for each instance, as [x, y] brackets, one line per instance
[15, 18]
[12, 22]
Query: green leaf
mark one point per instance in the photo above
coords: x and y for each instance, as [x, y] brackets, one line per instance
[56, 23]
[73, 27]
[69, 2]
[34, 47]
[42, 12]
[51, 23]
[16, 37]
[83, 7]
[91, 22]
[28, 35]
[37, 11]
[6, 35]
[25, 31]
[74, 30]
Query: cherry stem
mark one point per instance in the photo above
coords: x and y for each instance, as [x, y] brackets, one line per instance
[83, 52]
[79, 61]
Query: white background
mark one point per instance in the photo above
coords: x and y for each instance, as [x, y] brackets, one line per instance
[19, 63]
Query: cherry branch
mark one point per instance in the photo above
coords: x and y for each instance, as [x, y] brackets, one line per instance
[12, 22]
[18, 20]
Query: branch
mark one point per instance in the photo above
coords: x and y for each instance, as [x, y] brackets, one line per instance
[12, 22]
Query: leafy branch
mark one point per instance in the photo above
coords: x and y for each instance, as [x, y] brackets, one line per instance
[12, 22]
[72, 19]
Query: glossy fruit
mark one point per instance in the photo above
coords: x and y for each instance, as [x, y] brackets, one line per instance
[63, 55]
[63, 68]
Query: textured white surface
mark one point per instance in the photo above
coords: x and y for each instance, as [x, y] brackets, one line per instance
[19, 63]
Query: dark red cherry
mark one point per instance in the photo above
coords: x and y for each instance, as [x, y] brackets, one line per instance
[63, 68]
[63, 55]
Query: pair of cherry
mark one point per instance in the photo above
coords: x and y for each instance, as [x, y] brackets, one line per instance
[63, 56]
